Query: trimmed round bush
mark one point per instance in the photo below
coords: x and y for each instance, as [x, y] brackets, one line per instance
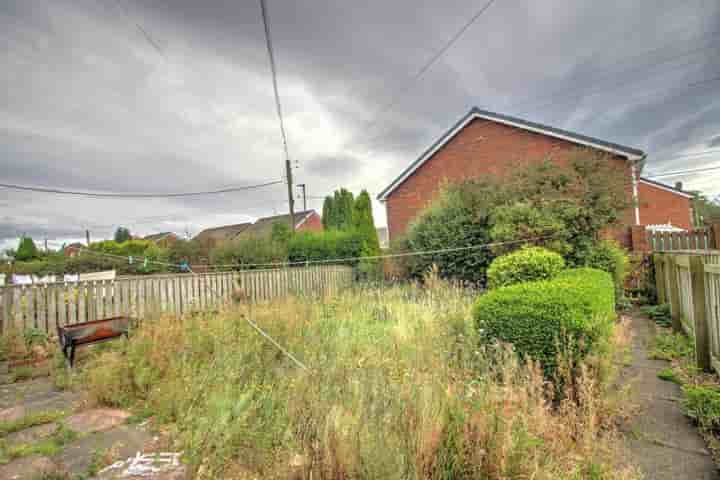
[525, 265]
[570, 314]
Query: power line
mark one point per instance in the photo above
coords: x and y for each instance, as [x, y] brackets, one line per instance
[278, 105]
[684, 172]
[389, 255]
[696, 154]
[137, 195]
[580, 92]
[426, 67]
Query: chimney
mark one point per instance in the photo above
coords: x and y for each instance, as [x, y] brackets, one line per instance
[678, 185]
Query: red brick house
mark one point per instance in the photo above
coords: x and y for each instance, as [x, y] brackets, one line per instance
[307, 221]
[483, 143]
[164, 239]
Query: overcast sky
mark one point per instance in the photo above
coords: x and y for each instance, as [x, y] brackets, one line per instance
[176, 95]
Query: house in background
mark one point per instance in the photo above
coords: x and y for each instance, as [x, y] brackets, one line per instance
[73, 249]
[307, 221]
[486, 143]
[164, 239]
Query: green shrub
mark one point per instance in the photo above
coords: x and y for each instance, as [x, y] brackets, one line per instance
[525, 265]
[250, 250]
[572, 313]
[660, 313]
[702, 404]
[331, 244]
[609, 257]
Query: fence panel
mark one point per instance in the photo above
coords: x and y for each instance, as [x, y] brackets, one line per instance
[47, 306]
[693, 239]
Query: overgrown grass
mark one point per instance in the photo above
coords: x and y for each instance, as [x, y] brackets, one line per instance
[398, 388]
[671, 346]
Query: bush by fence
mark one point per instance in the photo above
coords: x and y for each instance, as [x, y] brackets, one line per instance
[571, 314]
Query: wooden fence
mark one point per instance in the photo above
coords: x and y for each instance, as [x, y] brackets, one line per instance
[46, 306]
[689, 281]
[694, 239]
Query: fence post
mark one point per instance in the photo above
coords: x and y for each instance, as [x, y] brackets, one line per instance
[702, 333]
[673, 292]
[714, 236]
[660, 277]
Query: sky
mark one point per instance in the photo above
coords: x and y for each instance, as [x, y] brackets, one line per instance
[160, 96]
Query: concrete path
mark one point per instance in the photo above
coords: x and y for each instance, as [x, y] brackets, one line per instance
[661, 440]
[94, 438]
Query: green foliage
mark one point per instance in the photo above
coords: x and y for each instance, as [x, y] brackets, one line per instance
[364, 223]
[705, 210]
[524, 265]
[249, 250]
[281, 233]
[26, 250]
[671, 346]
[30, 420]
[458, 219]
[179, 251]
[570, 314]
[567, 206]
[660, 313]
[608, 256]
[122, 234]
[338, 210]
[331, 244]
[702, 403]
[668, 374]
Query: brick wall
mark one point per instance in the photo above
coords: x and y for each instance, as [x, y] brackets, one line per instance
[312, 224]
[660, 206]
[482, 147]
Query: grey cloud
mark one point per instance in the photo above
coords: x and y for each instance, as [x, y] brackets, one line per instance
[88, 103]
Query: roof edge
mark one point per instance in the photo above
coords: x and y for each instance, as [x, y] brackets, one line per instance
[665, 187]
[631, 154]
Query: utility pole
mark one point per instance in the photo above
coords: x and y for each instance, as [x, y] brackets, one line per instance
[303, 186]
[46, 246]
[87, 237]
[291, 198]
[278, 106]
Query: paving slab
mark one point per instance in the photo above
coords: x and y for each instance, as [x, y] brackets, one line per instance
[122, 442]
[28, 468]
[31, 435]
[97, 420]
[660, 439]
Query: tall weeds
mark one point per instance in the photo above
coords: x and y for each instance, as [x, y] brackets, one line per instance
[398, 389]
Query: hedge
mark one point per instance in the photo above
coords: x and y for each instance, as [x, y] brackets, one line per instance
[525, 265]
[573, 311]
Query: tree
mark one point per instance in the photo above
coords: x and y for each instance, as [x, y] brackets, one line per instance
[26, 250]
[122, 234]
[328, 213]
[705, 210]
[281, 232]
[338, 210]
[567, 205]
[363, 221]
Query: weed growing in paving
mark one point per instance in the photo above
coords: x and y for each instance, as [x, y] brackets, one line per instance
[702, 403]
[671, 346]
[47, 447]
[669, 375]
[659, 313]
[398, 388]
[31, 420]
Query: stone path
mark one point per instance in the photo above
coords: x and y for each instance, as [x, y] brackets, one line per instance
[95, 437]
[660, 439]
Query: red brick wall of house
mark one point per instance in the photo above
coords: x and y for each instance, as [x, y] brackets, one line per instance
[312, 224]
[482, 147]
[659, 206]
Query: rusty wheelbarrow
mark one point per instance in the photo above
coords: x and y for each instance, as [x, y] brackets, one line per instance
[86, 333]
